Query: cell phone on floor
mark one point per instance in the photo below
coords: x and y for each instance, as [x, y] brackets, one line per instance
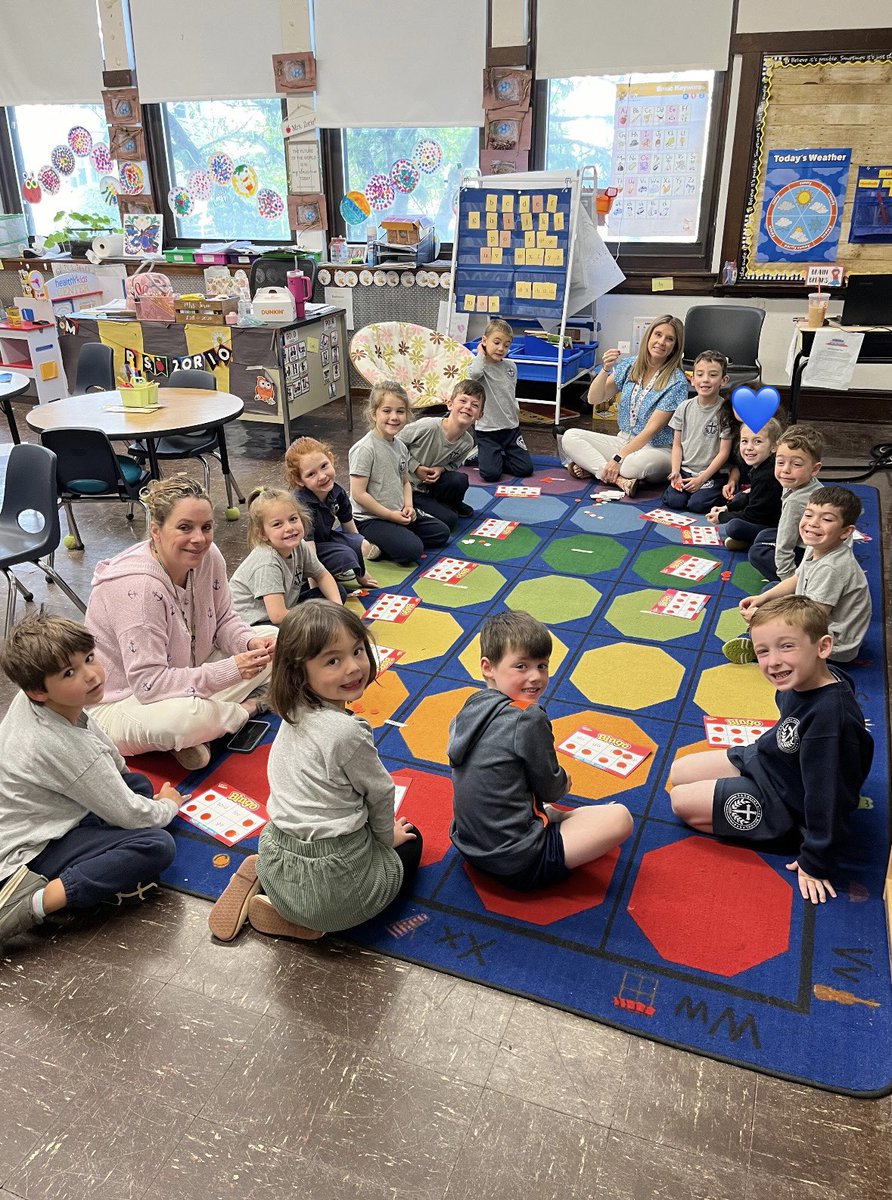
[248, 737]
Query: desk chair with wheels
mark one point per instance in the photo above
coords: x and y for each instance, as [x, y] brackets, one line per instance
[87, 468]
[95, 369]
[200, 442]
[30, 489]
[733, 329]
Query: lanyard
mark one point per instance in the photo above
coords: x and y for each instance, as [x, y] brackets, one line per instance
[640, 392]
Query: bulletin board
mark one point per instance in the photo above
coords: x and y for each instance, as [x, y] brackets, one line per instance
[513, 251]
[821, 120]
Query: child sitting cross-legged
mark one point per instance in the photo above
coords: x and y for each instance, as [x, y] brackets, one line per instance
[829, 574]
[505, 774]
[76, 827]
[281, 566]
[332, 854]
[775, 553]
[437, 447]
[702, 439]
[803, 774]
[747, 513]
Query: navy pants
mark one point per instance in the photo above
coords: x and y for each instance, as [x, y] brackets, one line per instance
[95, 861]
[761, 555]
[404, 543]
[442, 498]
[740, 530]
[502, 452]
[341, 552]
[696, 502]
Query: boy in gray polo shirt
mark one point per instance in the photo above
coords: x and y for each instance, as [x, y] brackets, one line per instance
[776, 553]
[702, 440]
[501, 447]
[828, 574]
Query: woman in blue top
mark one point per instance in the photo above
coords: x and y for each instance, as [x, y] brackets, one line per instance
[651, 386]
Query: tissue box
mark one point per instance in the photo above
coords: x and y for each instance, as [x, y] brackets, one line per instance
[140, 395]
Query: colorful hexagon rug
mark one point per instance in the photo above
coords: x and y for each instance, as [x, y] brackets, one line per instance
[678, 937]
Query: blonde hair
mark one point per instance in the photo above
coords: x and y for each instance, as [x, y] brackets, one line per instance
[304, 633]
[299, 449]
[259, 503]
[639, 372]
[387, 387]
[161, 496]
[772, 430]
[498, 326]
[797, 611]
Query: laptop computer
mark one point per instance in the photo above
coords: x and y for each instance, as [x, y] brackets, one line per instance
[868, 300]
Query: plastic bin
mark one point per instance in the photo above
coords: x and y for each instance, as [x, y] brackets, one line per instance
[536, 359]
[216, 258]
[179, 256]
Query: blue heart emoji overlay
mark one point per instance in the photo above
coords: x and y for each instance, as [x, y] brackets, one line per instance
[754, 409]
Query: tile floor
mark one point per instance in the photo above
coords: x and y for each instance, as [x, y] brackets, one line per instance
[137, 1059]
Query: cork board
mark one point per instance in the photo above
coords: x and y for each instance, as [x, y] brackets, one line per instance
[819, 101]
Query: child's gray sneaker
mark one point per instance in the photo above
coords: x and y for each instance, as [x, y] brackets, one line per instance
[16, 915]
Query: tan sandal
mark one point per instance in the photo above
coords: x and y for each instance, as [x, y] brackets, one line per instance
[629, 486]
[577, 472]
[264, 918]
[231, 911]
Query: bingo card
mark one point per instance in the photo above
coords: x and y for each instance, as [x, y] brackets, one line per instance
[449, 570]
[604, 751]
[734, 731]
[665, 516]
[701, 535]
[687, 566]
[519, 493]
[674, 603]
[497, 530]
[391, 608]
[225, 813]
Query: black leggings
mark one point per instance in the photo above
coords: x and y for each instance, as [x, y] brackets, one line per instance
[410, 856]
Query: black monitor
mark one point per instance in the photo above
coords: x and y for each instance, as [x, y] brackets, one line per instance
[868, 300]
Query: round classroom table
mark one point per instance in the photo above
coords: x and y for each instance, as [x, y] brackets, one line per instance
[12, 383]
[181, 410]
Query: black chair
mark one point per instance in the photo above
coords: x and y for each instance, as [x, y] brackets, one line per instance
[733, 329]
[95, 369]
[191, 445]
[273, 272]
[29, 520]
[87, 468]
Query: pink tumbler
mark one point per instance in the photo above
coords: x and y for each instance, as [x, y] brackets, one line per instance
[301, 289]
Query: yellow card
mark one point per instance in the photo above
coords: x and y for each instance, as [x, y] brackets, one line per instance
[520, 258]
[540, 239]
[492, 220]
[496, 256]
[529, 240]
[508, 221]
[485, 253]
[313, 345]
[549, 241]
[544, 291]
[473, 219]
[507, 202]
[558, 220]
[523, 204]
[538, 204]
[492, 237]
[494, 304]
[492, 202]
[551, 203]
[483, 303]
[505, 238]
[523, 289]
[544, 220]
[535, 258]
[554, 258]
[663, 284]
[526, 221]
[469, 303]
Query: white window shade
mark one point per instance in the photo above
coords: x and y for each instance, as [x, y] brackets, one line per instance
[579, 37]
[212, 50]
[395, 63]
[50, 52]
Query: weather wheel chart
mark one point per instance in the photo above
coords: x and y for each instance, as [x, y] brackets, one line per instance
[699, 943]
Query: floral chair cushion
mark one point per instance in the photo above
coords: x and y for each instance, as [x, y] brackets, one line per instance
[428, 364]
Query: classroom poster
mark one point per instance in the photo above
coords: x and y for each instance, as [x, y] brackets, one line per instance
[659, 138]
[802, 205]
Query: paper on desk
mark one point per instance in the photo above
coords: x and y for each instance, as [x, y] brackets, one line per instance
[341, 297]
[795, 347]
[832, 359]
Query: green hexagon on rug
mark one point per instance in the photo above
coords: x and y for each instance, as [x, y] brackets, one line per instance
[584, 554]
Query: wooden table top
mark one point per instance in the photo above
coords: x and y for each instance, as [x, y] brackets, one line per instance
[183, 410]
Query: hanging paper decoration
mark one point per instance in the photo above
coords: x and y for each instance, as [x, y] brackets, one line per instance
[270, 204]
[404, 175]
[355, 208]
[110, 185]
[49, 180]
[427, 155]
[379, 193]
[132, 178]
[63, 160]
[102, 160]
[220, 168]
[31, 189]
[244, 181]
[80, 140]
[181, 201]
[199, 184]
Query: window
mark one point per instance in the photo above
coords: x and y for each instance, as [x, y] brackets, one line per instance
[369, 153]
[648, 137]
[48, 146]
[226, 169]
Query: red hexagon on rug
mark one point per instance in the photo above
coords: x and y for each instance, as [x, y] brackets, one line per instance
[428, 803]
[586, 888]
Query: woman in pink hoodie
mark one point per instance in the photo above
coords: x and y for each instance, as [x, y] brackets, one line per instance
[180, 663]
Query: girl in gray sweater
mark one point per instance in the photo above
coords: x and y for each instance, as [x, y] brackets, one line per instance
[332, 855]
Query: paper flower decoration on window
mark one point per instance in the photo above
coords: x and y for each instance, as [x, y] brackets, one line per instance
[427, 155]
[404, 175]
[270, 204]
[180, 201]
[244, 181]
[220, 169]
[63, 160]
[80, 140]
[355, 208]
[102, 160]
[48, 180]
[379, 192]
[132, 178]
[199, 184]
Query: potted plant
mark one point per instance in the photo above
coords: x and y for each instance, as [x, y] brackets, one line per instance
[77, 230]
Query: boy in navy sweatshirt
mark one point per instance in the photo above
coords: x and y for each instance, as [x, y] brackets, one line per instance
[505, 774]
[806, 772]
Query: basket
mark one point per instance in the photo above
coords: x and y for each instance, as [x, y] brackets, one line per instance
[155, 308]
[199, 310]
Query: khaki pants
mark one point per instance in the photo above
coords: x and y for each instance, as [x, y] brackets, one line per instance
[592, 450]
[174, 724]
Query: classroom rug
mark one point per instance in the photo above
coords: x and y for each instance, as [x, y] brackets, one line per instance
[703, 945]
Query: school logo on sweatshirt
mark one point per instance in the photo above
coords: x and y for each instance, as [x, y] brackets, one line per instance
[787, 734]
[743, 811]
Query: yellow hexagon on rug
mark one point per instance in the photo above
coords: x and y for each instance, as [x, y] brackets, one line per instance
[426, 730]
[627, 676]
[591, 782]
[426, 633]
[736, 691]
[470, 656]
[381, 699]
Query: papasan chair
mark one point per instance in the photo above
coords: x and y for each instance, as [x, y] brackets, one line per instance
[428, 364]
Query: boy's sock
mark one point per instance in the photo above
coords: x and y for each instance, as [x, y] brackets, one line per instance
[37, 906]
[740, 649]
[735, 544]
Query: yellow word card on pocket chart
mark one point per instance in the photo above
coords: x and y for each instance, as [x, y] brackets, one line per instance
[492, 202]
[523, 289]
[473, 219]
[544, 291]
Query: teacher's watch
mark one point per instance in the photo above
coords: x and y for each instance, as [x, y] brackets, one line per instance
[617, 458]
